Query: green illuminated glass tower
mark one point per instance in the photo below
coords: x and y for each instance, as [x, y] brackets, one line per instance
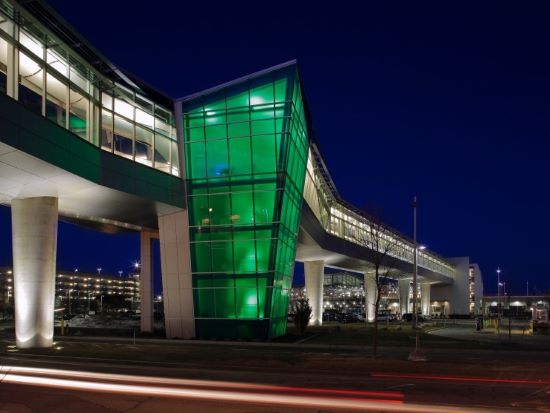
[246, 147]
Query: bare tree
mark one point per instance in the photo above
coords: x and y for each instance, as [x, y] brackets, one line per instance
[380, 244]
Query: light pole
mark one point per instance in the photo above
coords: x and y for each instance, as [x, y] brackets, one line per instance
[498, 285]
[527, 288]
[415, 269]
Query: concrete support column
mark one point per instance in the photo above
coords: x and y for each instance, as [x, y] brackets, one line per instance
[370, 296]
[34, 232]
[404, 295]
[314, 272]
[177, 287]
[425, 302]
[146, 280]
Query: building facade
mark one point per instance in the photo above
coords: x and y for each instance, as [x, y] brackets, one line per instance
[230, 180]
[79, 292]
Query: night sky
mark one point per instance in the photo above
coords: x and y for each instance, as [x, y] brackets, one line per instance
[446, 101]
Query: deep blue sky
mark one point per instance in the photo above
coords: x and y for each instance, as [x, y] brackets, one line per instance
[446, 101]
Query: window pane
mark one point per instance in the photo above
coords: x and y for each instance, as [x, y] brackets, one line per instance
[30, 83]
[263, 153]
[175, 159]
[124, 108]
[196, 160]
[56, 102]
[162, 153]
[144, 146]
[3, 65]
[58, 62]
[240, 156]
[107, 100]
[243, 208]
[77, 77]
[124, 137]
[107, 130]
[78, 114]
[144, 118]
[31, 43]
[216, 156]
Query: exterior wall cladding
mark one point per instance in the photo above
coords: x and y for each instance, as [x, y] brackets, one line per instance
[246, 151]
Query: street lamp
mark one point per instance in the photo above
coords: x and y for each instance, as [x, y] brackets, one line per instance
[415, 269]
[498, 284]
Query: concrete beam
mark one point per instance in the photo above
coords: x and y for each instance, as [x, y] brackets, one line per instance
[425, 302]
[146, 280]
[34, 231]
[314, 272]
[370, 296]
[404, 295]
[177, 286]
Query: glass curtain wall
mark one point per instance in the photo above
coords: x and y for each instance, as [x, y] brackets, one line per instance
[53, 81]
[246, 151]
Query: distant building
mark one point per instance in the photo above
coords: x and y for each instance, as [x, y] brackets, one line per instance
[81, 287]
[516, 305]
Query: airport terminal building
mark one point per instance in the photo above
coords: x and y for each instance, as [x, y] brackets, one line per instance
[230, 179]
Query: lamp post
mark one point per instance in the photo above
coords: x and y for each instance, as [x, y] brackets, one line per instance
[415, 269]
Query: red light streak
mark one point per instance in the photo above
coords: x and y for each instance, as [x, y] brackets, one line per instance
[458, 378]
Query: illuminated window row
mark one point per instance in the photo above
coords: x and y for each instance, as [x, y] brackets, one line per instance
[48, 78]
[347, 224]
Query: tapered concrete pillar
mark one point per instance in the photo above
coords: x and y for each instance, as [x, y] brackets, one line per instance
[34, 232]
[314, 272]
[425, 302]
[404, 295]
[370, 296]
[146, 280]
[177, 286]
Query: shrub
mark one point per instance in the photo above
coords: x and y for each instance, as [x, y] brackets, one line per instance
[302, 314]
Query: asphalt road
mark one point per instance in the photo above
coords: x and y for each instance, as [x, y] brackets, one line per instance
[51, 383]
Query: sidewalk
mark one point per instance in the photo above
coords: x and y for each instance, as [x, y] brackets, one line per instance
[489, 335]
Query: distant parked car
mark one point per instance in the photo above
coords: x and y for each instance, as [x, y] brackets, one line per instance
[385, 316]
[330, 316]
[409, 317]
[348, 318]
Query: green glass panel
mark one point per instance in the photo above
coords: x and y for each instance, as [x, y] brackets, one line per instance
[238, 100]
[262, 112]
[235, 130]
[196, 160]
[240, 156]
[203, 302]
[215, 118]
[263, 294]
[216, 157]
[199, 210]
[222, 256]
[215, 131]
[195, 134]
[264, 206]
[219, 209]
[245, 252]
[280, 90]
[263, 253]
[260, 127]
[195, 120]
[201, 257]
[225, 301]
[247, 299]
[264, 158]
[261, 94]
[243, 208]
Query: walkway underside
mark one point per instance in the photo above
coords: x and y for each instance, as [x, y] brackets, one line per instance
[315, 244]
[80, 200]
